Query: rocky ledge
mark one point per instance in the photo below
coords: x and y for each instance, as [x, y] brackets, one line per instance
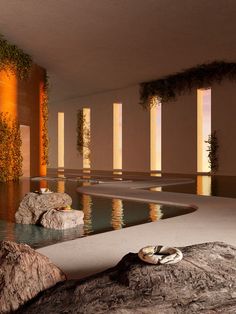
[203, 282]
[23, 274]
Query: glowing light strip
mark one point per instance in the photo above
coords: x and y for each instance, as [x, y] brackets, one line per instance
[203, 128]
[117, 136]
[60, 139]
[155, 137]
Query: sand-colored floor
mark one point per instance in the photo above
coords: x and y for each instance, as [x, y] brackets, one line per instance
[214, 220]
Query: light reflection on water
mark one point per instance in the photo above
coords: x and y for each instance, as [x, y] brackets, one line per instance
[100, 214]
[117, 216]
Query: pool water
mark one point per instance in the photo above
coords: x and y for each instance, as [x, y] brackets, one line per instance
[100, 214]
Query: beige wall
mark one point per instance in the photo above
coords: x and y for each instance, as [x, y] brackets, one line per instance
[179, 137]
[179, 131]
[135, 131]
[224, 122]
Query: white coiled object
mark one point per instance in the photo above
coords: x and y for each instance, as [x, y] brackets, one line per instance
[160, 255]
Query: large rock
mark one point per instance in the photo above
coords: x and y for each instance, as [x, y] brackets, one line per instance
[203, 282]
[34, 205]
[23, 274]
[62, 219]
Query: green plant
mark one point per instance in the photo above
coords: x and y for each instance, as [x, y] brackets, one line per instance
[10, 148]
[13, 58]
[212, 149]
[83, 134]
[44, 109]
[169, 87]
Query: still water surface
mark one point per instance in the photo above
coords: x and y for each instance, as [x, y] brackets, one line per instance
[100, 214]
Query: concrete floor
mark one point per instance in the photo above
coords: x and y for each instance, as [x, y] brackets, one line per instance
[214, 220]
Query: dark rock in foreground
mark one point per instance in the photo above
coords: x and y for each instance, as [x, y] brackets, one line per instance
[23, 274]
[203, 282]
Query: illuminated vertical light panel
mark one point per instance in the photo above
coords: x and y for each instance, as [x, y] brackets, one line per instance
[117, 136]
[155, 136]
[203, 128]
[8, 92]
[86, 139]
[61, 140]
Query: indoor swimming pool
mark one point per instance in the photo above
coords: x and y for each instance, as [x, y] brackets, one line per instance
[100, 214]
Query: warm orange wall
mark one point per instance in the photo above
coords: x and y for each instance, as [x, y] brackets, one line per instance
[8, 93]
[22, 98]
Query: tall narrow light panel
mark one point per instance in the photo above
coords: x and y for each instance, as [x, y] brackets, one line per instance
[117, 136]
[86, 139]
[60, 139]
[203, 128]
[155, 137]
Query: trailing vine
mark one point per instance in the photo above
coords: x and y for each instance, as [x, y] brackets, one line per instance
[13, 58]
[169, 87]
[10, 148]
[44, 108]
[83, 134]
[212, 149]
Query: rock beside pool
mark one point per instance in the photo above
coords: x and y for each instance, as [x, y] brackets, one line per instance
[34, 205]
[23, 274]
[62, 219]
[203, 282]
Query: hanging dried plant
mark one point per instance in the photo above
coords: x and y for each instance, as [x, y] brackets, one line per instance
[83, 134]
[212, 149]
[201, 76]
[10, 148]
[44, 109]
[14, 59]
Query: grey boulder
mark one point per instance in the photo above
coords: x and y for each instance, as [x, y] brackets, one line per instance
[23, 274]
[34, 205]
[62, 219]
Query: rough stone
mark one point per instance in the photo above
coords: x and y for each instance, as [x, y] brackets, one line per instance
[62, 219]
[23, 274]
[203, 282]
[34, 205]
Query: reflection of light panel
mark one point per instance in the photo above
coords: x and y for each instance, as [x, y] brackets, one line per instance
[203, 128]
[60, 139]
[117, 136]
[204, 185]
[155, 137]
[61, 184]
[86, 138]
[155, 212]
[87, 209]
[117, 219]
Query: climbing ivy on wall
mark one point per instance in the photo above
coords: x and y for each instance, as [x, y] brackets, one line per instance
[169, 87]
[13, 58]
[10, 144]
[44, 108]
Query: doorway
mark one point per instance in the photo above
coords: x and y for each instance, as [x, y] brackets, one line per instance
[25, 149]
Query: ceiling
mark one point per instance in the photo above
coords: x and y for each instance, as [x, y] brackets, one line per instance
[91, 46]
